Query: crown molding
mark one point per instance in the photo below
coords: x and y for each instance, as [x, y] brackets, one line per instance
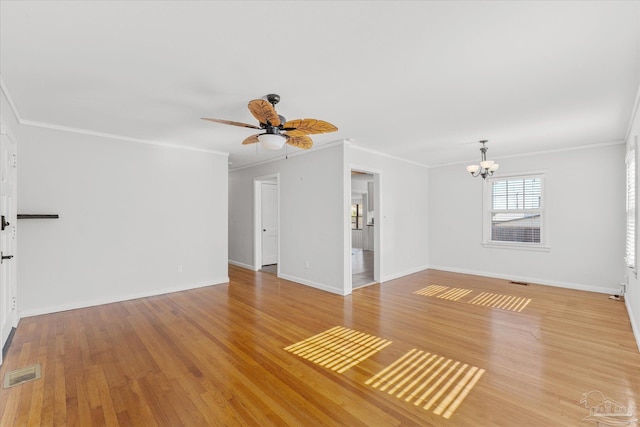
[117, 137]
[535, 153]
[634, 112]
[4, 88]
[378, 153]
[7, 95]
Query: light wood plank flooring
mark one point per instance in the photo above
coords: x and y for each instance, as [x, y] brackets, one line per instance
[216, 356]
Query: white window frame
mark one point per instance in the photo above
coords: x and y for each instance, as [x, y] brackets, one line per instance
[631, 191]
[487, 209]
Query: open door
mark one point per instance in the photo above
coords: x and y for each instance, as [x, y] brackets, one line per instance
[269, 223]
[266, 223]
[8, 237]
[365, 227]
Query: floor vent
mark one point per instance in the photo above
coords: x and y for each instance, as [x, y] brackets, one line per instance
[21, 376]
[519, 283]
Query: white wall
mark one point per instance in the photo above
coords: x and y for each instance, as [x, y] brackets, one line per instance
[585, 205]
[315, 203]
[311, 217]
[404, 208]
[130, 214]
[632, 297]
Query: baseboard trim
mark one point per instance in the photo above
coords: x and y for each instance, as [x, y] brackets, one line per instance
[7, 344]
[404, 273]
[295, 279]
[536, 280]
[110, 300]
[242, 265]
[312, 284]
[634, 324]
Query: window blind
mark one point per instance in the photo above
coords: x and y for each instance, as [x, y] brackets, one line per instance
[516, 210]
[631, 209]
[517, 194]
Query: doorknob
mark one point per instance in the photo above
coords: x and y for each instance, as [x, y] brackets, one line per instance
[3, 257]
[264, 229]
[4, 223]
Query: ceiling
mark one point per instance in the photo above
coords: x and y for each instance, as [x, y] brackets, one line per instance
[423, 81]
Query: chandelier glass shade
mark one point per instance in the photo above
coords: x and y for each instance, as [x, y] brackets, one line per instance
[486, 167]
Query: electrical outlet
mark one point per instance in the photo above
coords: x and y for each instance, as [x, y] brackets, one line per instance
[180, 268]
[14, 303]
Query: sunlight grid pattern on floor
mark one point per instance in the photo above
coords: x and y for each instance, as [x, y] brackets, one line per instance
[338, 348]
[431, 290]
[454, 294]
[487, 299]
[505, 302]
[428, 380]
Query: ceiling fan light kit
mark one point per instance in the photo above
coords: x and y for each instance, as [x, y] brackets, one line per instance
[277, 130]
[272, 141]
[486, 167]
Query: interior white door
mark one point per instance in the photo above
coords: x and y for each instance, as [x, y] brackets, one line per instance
[269, 221]
[8, 234]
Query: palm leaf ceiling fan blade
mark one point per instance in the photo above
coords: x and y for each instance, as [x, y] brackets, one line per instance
[309, 126]
[264, 112]
[295, 132]
[251, 140]
[301, 141]
[229, 122]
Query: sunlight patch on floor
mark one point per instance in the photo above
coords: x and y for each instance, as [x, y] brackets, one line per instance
[454, 294]
[431, 290]
[433, 382]
[487, 299]
[505, 302]
[338, 348]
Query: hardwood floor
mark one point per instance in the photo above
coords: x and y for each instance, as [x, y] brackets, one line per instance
[234, 354]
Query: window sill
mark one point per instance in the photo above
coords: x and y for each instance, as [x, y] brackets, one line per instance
[516, 246]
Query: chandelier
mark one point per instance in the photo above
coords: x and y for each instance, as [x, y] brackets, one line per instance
[486, 167]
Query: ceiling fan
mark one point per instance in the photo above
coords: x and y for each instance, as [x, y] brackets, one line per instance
[276, 129]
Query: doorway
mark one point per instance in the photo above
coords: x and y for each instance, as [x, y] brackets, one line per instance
[266, 224]
[8, 237]
[365, 236]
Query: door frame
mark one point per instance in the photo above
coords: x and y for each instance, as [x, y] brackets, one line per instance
[377, 229]
[11, 305]
[257, 218]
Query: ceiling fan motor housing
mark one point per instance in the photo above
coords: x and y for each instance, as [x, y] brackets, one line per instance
[272, 130]
[273, 98]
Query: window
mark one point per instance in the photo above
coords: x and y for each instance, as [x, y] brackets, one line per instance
[630, 257]
[514, 214]
[356, 216]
